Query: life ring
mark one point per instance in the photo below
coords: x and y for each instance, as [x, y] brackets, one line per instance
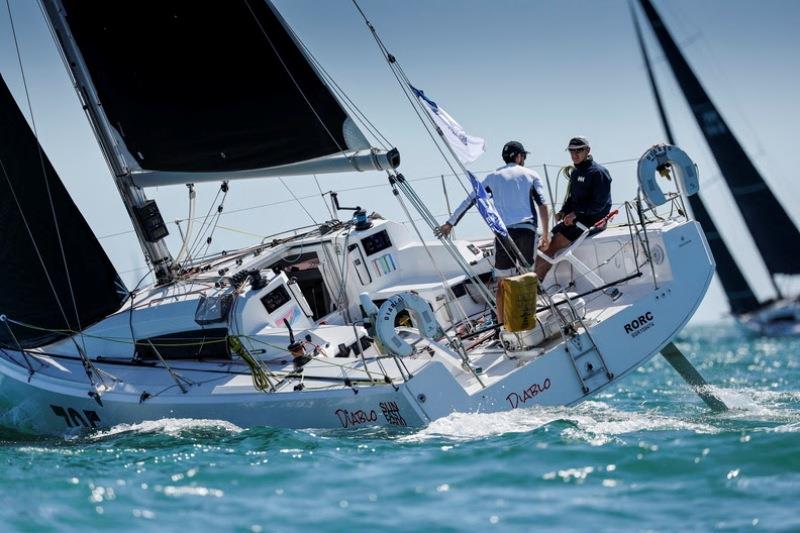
[421, 316]
[659, 159]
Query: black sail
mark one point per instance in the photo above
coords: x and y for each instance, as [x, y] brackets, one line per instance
[209, 86]
[34, 276]
[775, 235]
[741, 298]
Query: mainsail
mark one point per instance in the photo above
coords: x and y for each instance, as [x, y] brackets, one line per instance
[197, 91]
[739, 293]
[775, 235]
[54, 273]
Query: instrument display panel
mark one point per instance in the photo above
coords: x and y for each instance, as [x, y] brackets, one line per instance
[274, 299]
[376, 242]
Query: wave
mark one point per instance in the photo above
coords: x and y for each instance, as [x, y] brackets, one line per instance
[599, 423]
[595, 422]
[173, 427]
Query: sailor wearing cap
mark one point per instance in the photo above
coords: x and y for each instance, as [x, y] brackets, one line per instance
[588, 200]
[518, 196]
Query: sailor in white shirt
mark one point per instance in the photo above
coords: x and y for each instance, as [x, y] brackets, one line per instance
[518, 196]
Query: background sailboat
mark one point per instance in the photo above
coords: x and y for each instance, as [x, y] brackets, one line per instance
[773, 231]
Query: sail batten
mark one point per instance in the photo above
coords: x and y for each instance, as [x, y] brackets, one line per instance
[51, 280]
[773, 231]
[207, 87]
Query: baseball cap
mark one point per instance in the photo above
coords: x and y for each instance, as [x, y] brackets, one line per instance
[578, 142]
[512, 148]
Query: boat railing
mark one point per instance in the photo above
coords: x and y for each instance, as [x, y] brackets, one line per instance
[638, 216]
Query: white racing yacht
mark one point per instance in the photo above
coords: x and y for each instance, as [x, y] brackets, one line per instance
[341, 325]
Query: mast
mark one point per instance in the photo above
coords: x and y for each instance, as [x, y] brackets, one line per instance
[773, 231]
[144, 214]
[183, 92]
[740, 295]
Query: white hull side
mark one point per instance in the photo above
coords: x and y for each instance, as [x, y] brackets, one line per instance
[51, 405]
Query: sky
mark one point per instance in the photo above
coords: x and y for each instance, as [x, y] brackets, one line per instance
[535, 71]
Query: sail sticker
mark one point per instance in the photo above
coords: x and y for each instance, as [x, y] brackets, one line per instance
[384, 265]
[292, 315]
[639, 325]
[515, 399]
[709, 119]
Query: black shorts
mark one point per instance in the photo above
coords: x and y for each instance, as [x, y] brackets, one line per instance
[570, 232]
[524, 238]
[573, 232]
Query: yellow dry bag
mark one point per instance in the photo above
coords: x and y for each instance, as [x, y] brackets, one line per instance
[519, 301]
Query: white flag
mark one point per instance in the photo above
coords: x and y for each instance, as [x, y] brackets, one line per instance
[466, 147]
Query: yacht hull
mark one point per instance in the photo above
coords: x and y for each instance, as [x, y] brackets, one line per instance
[649, 314]
[779, 319]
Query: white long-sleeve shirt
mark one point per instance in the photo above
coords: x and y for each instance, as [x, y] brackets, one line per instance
[516, 192]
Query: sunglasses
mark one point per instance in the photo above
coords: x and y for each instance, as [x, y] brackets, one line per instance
[576, 150]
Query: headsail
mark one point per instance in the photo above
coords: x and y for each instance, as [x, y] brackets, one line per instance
[739, 293]
[38, 282]
[208, 88]
[775, 235]
[740, 296]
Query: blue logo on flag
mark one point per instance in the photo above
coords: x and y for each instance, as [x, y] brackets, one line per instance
[486, 207]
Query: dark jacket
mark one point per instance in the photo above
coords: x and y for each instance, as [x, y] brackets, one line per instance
[589, 193]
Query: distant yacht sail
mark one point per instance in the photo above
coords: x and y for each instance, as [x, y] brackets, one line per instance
[739, 293]
[775, 236]
[774, 233]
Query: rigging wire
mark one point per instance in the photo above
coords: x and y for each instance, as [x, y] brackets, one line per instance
[280, 202]
[404, 84]
[322, 195]
[347, 101]
[87, 364]
[363, 188]
[294, 80]
[298, 201]
[210, 226]
[47, 187]
[189, 225]
[203, 227]
[448, 289]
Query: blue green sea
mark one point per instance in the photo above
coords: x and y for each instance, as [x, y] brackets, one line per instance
[643, 456]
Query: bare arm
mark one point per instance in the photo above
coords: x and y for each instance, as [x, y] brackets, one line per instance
[544, 216]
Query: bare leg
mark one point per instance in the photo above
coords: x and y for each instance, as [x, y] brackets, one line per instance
[499, 299]
[557, 243]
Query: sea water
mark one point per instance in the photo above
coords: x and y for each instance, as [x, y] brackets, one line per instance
[646, 455]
